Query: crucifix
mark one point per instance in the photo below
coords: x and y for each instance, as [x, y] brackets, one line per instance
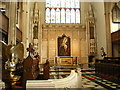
[30, 49]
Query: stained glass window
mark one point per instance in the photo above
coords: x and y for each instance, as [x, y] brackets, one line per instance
[57, 3]
[52, 3]
[62, 15]
[72, 16]
[77, 5]
[62, 3]
[57, 15]
[47, 3]
[47, 15]
[52, 15]
[67, 3]
[67, 16]
[62, 11]
[77, 16]
[72, 3]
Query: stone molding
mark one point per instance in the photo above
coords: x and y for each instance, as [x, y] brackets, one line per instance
[55, 26]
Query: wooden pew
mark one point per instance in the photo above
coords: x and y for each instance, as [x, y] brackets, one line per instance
[108, 67]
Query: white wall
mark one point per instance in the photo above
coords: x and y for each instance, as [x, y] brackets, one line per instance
[98, 8]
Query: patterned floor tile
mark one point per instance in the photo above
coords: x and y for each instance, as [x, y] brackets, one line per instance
[89, 84]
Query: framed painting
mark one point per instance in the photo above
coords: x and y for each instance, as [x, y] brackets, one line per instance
[116, 14]
[63, 46]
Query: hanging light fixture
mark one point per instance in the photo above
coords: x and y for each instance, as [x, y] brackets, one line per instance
[116, 14]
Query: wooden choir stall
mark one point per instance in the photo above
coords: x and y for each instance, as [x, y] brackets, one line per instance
[109, 68]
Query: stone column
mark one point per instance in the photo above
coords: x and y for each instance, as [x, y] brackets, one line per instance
[40, 36]
[108, 29]
[24, 27]
[12, 23]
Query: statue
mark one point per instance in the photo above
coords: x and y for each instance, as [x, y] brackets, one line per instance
[103, 54]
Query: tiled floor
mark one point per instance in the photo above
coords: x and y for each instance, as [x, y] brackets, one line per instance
[99, 84]
[89, 84]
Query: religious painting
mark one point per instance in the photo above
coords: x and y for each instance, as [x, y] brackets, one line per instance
[63, 46]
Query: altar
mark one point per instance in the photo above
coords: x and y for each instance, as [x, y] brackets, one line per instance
[65, 60]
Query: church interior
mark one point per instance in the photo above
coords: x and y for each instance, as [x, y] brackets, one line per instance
[62, 44]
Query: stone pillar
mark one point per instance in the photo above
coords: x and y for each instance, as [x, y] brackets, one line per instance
[108, 29]
[40, 36]
[24, 27]
[12, 23]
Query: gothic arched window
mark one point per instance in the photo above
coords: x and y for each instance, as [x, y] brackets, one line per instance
[62, 11]
[77, 16]
[52, 15]
[62, 15]
[72, 16]
[47, 15]
[57, 15]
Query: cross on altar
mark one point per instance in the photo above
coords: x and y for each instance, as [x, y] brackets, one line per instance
[30, 49]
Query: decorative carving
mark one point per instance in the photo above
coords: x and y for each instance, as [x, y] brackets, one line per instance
[35, 32]
[63, 26]
[35, 13]
[91, 14]
[90, 20]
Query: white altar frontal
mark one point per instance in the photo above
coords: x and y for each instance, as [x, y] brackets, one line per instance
[65, 60]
